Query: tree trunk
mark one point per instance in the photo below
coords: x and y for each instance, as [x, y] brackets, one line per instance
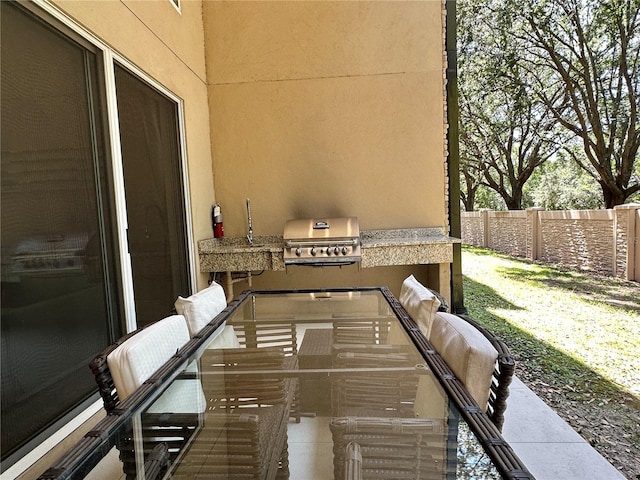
[612, 197]
[514, 201]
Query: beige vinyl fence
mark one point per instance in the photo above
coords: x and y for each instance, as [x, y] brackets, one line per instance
[603, 241]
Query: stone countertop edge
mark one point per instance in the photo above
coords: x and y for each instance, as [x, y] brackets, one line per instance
[405, 236]
[369, 238]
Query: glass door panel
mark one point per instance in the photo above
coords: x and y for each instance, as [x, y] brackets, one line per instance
[154, 196]
[59, 288]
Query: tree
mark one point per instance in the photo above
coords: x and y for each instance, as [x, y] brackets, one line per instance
[469, 186]
[560, 184]
[506, 131]
[584, 58]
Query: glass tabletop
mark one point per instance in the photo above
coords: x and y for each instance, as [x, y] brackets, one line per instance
[300, 385]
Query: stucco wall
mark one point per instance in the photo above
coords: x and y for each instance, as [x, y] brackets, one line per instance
[327, 109]
[309, 109]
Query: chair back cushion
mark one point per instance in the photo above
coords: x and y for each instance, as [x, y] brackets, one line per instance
[133, 362]
[224, 337]
[202, 307]
[420, 303]
[467, 351]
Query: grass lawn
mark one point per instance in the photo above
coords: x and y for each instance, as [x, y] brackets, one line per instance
[576, 340]
[570, 328]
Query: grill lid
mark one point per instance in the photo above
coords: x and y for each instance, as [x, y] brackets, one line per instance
[322, 241]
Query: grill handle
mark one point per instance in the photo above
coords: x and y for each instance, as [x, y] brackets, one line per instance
[320, 243]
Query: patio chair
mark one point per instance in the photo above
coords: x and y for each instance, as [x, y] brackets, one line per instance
[501, 377]
[353, 462]
[265, 333]
[385, 393]
[478, 358]
[123, 366]
[157, 462]
[245, 425]
[373, 343]
[361, 331]
[240, 421]
[421, 303]
[383, 448]
[202, 307]
[393, 418]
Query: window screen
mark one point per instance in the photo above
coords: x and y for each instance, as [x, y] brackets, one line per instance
[57, 274]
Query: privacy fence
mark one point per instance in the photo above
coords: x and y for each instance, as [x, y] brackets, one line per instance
[603, 241]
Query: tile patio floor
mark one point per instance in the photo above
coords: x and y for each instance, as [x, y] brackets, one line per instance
[546, 444]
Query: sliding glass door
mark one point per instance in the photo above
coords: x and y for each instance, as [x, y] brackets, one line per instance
[153, 187]
[62, 257]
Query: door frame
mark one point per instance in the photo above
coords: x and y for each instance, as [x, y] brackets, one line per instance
[110, 58]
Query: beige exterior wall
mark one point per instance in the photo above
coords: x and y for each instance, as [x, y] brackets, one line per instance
[169, 47]
[323, 109]
[309, 109]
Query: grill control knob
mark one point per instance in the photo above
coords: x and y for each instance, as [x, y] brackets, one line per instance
[328, 251]
[344, 250]
[298, 251]
[336, 250]
[314, 252]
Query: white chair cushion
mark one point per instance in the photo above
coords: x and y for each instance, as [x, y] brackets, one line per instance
[224, 337]
[182, 396]
[202, 307]
[133, 362]
[420, 303]
[467, 351]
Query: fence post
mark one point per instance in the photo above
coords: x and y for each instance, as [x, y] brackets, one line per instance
[484, 219]
[533, 232]
[625, 241]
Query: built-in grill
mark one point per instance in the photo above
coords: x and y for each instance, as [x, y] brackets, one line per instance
[322, 241]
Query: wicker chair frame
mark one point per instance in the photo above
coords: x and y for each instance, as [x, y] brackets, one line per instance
[501, 377]
[484, 426]
[249, 416]
[399, 448]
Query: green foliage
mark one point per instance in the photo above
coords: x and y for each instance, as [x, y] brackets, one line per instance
[560, 184]
[506, 132]
[537, 78]
[486, 198]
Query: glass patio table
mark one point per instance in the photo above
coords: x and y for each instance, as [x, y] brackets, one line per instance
[313, 384]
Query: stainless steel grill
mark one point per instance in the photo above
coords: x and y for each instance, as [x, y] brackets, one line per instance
[322, 241]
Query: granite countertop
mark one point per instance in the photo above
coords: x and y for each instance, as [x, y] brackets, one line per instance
[272, 243]
[369, 239]
[406, 246]
[405, 236]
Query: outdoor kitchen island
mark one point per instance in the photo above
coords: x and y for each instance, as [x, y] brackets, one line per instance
[410, 246]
